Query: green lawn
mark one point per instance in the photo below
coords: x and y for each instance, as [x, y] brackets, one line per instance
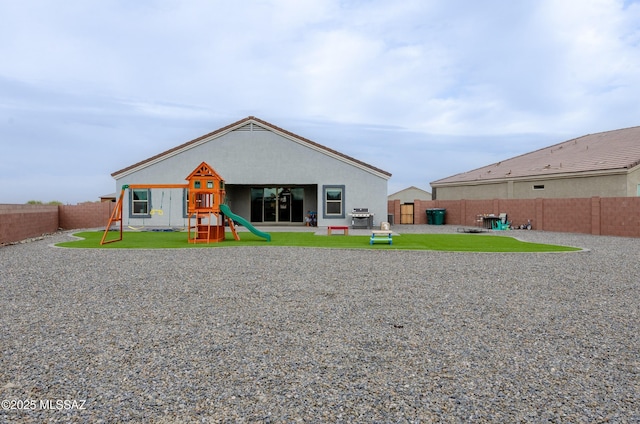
[443, 242]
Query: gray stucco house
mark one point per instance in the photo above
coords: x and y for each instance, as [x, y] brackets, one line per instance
[272, 177]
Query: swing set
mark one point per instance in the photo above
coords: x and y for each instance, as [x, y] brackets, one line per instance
[158, 212]
[206, 193]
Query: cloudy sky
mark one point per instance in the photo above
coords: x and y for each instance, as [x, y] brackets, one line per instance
[423, 89]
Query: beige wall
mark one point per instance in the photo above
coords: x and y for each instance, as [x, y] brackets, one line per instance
[633, 181]
[621, 185]
[601, 186]
[472, 192]
[409, 195]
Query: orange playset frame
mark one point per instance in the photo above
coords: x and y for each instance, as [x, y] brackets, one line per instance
[205, 191]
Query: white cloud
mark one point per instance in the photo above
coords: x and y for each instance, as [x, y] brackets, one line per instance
[438, 79]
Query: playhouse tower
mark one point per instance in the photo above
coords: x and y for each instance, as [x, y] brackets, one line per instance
[205, 195]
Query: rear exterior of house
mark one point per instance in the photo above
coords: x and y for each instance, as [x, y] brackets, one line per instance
[272, 177]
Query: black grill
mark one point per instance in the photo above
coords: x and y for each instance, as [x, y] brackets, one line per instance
[361, 218]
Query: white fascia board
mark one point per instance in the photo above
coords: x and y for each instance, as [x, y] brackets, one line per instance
[174, 153]
[539, 177]
[242, 124]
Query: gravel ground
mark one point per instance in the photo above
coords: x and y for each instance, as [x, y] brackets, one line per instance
[271, 334]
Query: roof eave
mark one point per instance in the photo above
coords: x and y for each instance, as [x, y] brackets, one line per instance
[229, 128]
[536, 177]
[178, 149]
[325, 150]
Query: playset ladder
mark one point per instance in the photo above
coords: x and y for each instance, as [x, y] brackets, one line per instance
[201, 233]
[232, 227]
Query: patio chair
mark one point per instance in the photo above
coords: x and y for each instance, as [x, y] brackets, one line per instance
[502, 223]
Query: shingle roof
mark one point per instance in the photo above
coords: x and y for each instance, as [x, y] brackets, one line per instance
[239, 124]
[612, 151]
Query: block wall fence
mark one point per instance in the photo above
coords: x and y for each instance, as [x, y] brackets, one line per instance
[610, 216]
[21, 222]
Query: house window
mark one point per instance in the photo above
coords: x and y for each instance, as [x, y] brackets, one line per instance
[140, 199]
[538, 186]
[333, 201]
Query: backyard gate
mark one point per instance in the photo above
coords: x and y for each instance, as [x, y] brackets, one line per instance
[406, 213]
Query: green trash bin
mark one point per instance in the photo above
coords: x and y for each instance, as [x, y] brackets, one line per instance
[438, 216]
[430, 216]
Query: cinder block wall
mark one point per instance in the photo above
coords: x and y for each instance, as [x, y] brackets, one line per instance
[20, 222]
[85, 215]
[620, 216]
[567, 215]
[614, 216]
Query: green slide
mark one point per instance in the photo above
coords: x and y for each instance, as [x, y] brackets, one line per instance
[227, 212]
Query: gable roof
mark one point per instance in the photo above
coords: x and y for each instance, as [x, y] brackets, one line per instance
[601, 153]
[239, 124]
[204, 170]
[410, 189]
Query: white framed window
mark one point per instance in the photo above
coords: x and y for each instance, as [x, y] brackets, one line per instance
[333, 203]
[140, 201]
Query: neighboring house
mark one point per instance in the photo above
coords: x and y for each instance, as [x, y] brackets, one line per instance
[112, 197]
[406, 199]
[409, 194]
[606, 164]
[271, 175]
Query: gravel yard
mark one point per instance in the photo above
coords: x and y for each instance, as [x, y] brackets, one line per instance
[272, 334]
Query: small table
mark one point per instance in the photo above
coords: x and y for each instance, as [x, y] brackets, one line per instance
[488, 221]
[338, 227]
[381, 235]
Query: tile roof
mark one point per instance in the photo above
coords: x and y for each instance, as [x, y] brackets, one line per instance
[239, 124]
[611, 151]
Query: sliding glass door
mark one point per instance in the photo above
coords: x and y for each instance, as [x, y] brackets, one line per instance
[277, 204]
